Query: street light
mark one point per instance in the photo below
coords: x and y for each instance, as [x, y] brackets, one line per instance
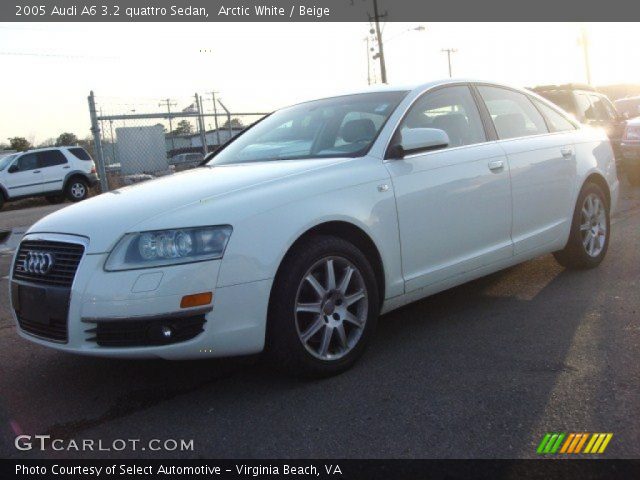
[419, 28]
[376, 36]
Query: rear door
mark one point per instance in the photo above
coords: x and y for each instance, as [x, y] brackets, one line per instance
[454, 205]
[27, 180]
[54, 167]
[542, 166]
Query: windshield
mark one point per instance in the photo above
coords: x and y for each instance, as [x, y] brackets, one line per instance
[4, 161]
[333, 127]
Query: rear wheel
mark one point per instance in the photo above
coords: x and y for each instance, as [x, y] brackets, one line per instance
[323, 309]
[590, 230]
[77, 189]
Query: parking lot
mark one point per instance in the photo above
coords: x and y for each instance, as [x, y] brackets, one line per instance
[482, 370]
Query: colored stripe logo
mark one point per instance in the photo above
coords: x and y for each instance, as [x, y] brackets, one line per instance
[573, 443]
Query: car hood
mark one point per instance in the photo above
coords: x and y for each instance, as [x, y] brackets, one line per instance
[105, 218]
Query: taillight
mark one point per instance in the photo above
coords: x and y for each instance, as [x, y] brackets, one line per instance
[632, 132]
[93, 169]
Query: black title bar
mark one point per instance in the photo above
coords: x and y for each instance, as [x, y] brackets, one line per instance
[314, 10]
[322, 469]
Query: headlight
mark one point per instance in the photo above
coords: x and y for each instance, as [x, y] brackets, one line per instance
[168, 247]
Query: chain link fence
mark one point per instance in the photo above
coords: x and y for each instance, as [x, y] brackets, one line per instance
[145, 139]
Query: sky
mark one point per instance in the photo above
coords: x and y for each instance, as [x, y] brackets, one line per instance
[49, 69]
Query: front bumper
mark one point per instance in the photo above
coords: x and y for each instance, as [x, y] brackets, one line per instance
[234, 323]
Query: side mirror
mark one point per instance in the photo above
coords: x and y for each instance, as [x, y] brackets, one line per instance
[416, 140]
[13, 168]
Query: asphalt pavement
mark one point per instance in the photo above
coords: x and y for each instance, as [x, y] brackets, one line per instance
[480, 371]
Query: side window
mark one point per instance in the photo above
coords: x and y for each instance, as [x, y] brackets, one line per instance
[80, 153]
[585, 109]
[512, 113]
[600, 109]
[451, 109]
[556, 121]
[51, 158]
[28, 162]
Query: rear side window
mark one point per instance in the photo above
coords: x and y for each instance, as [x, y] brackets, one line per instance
[50, 158]
[555, 120]
[512, 113]
[28, 162]
[451, 109]
[80, 153]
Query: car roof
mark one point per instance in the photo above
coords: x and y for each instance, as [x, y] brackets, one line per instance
[50, 148]
[419, 87]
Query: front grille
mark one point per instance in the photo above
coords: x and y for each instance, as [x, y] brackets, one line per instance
[56, 329]
[139, 333]
[66, 257]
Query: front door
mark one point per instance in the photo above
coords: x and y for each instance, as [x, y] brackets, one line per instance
[27, 180]
[454, 205]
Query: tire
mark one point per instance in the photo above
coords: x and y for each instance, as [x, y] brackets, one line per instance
[77, 189]
[310, 335]
[54, 199]
[590, 231]
[1, 200]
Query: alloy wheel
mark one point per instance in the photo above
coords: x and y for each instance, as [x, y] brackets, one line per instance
[78, 190]
[331, 308]
[593, 225]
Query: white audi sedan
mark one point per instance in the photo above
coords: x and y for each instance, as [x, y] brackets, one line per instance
[320, 217]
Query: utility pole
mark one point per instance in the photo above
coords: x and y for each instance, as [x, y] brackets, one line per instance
[169, 104]
[449, 51]
[203, 134]
[368, 61]
[378, 32]
[584, 41]
[215, 117]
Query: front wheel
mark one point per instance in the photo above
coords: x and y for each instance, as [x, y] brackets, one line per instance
[324, 308]
[77, 189]
[590, 231]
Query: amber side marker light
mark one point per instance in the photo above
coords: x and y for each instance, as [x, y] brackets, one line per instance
[196, 300]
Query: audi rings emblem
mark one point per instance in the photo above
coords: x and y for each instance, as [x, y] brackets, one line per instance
[38, 262]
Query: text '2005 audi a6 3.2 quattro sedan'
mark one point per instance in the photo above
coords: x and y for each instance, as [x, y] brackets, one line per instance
[303, 229]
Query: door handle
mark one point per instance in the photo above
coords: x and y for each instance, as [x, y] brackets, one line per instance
[566, 151]
[496, 165]
[67, 166]
[36, 171]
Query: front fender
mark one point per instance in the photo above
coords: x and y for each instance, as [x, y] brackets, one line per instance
[260, 242]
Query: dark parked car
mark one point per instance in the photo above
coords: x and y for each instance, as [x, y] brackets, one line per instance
[628, 107]
[631, 151]
[589, 107]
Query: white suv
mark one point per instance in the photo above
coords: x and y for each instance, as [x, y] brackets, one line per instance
[53, 172]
